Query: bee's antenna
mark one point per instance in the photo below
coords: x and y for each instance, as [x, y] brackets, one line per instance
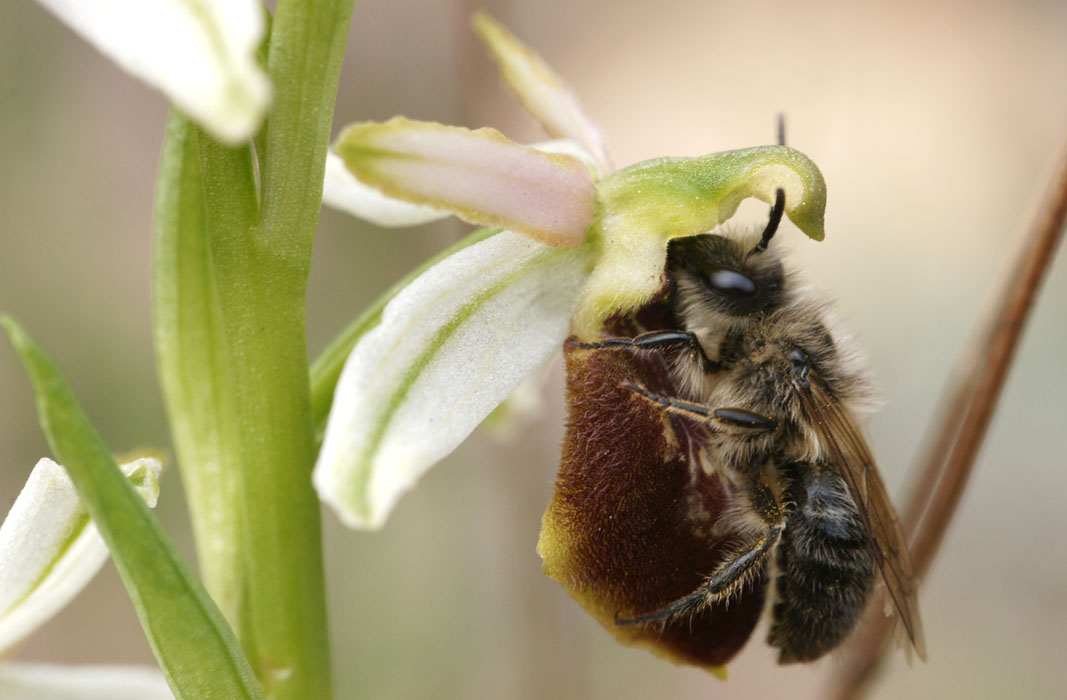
[772, 225]
[781, 128]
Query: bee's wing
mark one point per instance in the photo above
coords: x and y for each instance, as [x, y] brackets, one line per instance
[838, 433]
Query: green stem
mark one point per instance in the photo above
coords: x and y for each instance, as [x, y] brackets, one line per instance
[232, 268]
[262, 279]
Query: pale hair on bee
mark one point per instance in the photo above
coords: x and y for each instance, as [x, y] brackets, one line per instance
[748, 311]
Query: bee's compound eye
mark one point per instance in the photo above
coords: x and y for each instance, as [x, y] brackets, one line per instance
[732, 283]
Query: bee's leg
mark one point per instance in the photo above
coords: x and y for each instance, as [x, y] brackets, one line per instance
[653, 340]
[728, 417]
[733, 574]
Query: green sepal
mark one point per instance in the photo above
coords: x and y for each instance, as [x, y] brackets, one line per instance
[646, 205]
[686, 196]
[194, 365]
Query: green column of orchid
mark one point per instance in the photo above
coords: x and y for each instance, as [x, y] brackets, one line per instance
[232, 266]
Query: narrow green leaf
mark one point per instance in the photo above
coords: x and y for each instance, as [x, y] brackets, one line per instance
[327, 366]
[194, 366]
[196, 649]
[233, 358]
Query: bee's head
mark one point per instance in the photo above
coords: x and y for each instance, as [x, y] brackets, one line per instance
[722, 276]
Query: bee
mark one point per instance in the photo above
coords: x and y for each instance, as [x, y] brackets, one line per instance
[759, 396]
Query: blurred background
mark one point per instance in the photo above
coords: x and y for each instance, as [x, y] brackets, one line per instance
[934, 123]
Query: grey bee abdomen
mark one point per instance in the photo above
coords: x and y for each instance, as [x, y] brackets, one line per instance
[825, 567]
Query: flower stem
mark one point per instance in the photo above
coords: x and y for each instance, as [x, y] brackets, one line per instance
[262, 284]
[231, 272]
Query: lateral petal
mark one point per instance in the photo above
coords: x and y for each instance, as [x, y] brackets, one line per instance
[480, 175]
[341, 190]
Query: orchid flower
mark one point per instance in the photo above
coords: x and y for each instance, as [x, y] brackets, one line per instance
[574, 244]
[571, 244]
[200, 55]
[49, 550]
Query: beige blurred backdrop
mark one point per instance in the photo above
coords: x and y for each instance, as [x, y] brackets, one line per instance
[934, 124]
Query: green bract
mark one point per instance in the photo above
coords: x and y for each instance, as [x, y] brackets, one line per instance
[172, 604]
[235, 228]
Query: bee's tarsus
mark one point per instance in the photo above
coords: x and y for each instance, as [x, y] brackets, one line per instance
[689, 409]
[740, 418]
[731, 577]
[653, 340]
[734, 417]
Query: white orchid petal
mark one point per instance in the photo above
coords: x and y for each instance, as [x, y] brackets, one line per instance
[341, 190]
[450, 346]
[21, 681]
[49, 547]
[541, 91]
[202, 55]
[524, 404]
[480, 175]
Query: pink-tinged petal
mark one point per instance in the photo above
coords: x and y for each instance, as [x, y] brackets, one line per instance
[541, 91]
[341, 190]
[570, 147]
[480, 175]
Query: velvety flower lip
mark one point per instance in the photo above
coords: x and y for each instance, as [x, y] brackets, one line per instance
[201, 55]
[581, 243]
[50, 549]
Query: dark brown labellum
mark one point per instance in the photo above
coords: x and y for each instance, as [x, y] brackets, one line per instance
[633, 522]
